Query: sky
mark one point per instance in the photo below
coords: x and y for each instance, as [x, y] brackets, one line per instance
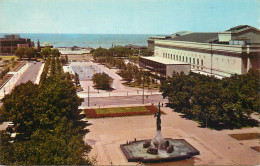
[126, 16]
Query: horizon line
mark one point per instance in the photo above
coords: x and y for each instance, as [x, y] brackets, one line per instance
[86, 33]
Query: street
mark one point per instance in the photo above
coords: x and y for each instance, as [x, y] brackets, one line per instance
[122, 100]
[30, 74]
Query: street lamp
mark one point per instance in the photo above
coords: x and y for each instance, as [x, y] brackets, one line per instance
[206, 120]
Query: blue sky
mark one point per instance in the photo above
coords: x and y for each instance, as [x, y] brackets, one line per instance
[125, 16]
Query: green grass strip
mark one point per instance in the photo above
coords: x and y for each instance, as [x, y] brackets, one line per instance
[121, 110]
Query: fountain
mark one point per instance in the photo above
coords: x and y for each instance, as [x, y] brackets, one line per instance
[158, 149]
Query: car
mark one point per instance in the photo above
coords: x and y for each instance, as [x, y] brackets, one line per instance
[11, 124]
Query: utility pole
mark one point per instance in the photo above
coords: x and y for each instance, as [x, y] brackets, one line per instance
[211, 52]
[143, 93]
[88, 96]
[143, 90]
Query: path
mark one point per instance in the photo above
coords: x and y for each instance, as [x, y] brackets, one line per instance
[216, 147]
[122, 100]
[30, 74]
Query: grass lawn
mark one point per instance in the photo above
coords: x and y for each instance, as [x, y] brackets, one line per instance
[245, 136]
[8, 57]
[121, 110]
[5, 78]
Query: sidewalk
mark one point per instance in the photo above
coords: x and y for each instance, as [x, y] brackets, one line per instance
[113, 94]
[37, 81]
[7, 88]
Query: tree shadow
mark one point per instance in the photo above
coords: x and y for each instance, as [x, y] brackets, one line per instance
[84, 131]
[212, 125]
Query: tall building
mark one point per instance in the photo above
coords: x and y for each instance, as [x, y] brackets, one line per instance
[10, 43]
[235, 50]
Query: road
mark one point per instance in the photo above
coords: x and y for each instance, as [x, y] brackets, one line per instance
[30, 74]
[122, 100]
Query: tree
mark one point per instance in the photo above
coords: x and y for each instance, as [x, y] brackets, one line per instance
[30, 53]
[20, 52]
[146, 52]
[77, 78]
[219, 103]
[55, 52]
[19, 107]
[46, 117]
[45, 52]
[102, 81]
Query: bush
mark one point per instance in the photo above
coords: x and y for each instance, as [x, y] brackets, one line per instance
[102, 81]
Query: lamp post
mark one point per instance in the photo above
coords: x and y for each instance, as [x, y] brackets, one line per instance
[211, 52]
[206, 120]
[88, 96]
[143, 93]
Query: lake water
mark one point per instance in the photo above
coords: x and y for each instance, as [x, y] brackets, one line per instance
[87, 40]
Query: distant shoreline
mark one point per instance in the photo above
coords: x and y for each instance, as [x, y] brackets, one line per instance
[87, 40]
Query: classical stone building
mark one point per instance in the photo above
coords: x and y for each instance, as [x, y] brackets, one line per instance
[235, 50]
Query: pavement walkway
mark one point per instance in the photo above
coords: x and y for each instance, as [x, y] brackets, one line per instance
[7, 88]
[216, 147]
[119, 88]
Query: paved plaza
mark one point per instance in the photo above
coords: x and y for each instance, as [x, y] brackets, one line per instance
[123, 100]
[216, 147]
[86, 72]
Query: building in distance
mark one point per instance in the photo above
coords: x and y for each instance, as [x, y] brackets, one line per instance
[221, 54]
[10, 43]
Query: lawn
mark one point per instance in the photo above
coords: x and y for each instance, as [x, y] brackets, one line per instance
[121, 111]
[245, 136]
[8, 57]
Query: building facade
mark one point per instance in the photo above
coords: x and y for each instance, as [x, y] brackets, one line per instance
[221, 54]
[163, 66]
[10, 43]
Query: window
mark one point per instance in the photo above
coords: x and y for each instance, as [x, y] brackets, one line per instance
[183, 59]
[179, 58]
[171, 56]
[174, 57]
[190, 60]
[186, 59]
[198, 62]
[201, 64]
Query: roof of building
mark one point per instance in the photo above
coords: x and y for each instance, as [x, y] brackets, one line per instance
[197, 37]
[239, 27]
[162, 60]
[14, 39]
[159, 37]
[135, 46]
[180, 33]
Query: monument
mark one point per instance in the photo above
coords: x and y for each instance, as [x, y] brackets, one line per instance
[158, 149]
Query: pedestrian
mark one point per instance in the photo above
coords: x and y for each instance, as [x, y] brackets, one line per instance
[162, 104]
